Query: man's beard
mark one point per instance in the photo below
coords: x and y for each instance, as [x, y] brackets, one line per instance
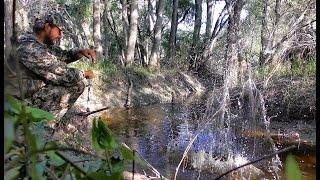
[48, 40]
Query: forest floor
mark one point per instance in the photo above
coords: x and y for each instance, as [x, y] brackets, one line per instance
[285, 98]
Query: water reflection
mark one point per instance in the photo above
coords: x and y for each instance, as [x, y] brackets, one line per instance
[161, 132]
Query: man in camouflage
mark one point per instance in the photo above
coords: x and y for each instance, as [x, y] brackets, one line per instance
[47, 82]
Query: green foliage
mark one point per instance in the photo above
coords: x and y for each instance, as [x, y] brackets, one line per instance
[102, 139]
[292, 168]
[310, 68]
[41, 159]
[263, 72]
[81, 9]
[101, 136]
[297, 68]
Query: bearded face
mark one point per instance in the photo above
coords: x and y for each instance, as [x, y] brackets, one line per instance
[52, 35]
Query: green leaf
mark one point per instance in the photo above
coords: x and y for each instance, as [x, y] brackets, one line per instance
[12, 104]
[95, 165]
[55, 160]
[35, 114]
[127, 155]
[34, 171]
[10, 117]
[78, 139]
[117, 165]
[101, 136]
[102, 175]
[12, 173]
[97, 175]
[51, 144]
[38, 130]
[106, 137]
[95, 135]
[40, 167]
[292, 168]
[9, 134]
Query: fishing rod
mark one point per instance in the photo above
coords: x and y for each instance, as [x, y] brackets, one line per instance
[89, 83]
[91, 60]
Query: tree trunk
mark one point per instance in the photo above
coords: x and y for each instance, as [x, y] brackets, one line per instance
[82, 33]
[231, 53]
[173, 31]
[147, 34]
[220, 23]
[8, 27]
[155, 53]
[113, 27]
[209, 18]
[132, 33]
[106, 29]
[196, 34]
[125, 23]
[264, 33]
[96, 27]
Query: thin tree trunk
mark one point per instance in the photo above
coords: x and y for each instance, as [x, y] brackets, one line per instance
[120, 47]
[96, 27]
[155, 53]
[173, 31]
[132, 33]
[147, 35]
[277, 19]
[220, 23]
[8, 27]
[209, 18]
[125, 23]
[231, 53]
[196, 35]
[71, 30]
[264, 33]
[106, 29]
[197, 25]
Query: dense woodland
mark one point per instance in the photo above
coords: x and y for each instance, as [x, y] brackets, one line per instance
[197, 36]
[233, 39]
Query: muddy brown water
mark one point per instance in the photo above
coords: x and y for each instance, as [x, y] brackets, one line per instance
[160, 134]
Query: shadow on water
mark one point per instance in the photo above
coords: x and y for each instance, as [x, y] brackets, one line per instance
[161, 132]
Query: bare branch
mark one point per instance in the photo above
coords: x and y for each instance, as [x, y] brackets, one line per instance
[259, 159]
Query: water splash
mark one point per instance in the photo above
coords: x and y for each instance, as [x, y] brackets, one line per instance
[234, 133]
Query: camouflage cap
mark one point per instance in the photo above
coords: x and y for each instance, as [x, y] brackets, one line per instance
[52, 19]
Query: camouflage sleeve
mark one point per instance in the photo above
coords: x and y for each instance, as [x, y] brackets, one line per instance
[64, 55]
[47, 65]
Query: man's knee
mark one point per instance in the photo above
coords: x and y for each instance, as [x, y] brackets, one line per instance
[80, 87]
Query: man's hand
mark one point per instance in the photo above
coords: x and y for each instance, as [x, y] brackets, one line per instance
[89, 53]
[88, 74]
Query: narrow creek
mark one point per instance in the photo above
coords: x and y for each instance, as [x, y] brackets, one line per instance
[161, 132]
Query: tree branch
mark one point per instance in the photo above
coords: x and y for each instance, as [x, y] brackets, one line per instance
[64, 157]
[259, 159]
[92, 112]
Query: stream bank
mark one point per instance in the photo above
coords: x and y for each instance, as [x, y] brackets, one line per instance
[177, 88]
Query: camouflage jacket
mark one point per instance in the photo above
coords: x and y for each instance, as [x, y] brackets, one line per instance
[40, 64]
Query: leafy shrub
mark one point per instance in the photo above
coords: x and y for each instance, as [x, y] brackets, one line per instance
[44, 160]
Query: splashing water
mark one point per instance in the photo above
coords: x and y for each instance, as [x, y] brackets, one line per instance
[233, 136]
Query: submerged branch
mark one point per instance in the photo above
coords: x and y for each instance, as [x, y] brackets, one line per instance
[154, 170]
